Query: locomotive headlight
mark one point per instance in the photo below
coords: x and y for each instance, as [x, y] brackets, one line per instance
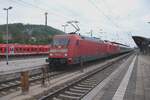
[65, 54]
[51, 54]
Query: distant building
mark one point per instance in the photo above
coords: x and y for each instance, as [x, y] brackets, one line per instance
[4, 36]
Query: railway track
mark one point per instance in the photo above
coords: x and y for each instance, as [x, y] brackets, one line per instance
[12, 85]
[78, 88]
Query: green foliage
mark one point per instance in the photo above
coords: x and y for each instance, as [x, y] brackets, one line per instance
[29, 34]
[1, 38]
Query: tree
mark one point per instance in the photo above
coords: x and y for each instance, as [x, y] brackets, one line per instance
[1, 38]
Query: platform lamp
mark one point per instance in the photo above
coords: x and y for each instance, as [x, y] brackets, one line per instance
[7, 9]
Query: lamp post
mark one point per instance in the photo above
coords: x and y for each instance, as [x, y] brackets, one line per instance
[64, 26]
[46, 18]
[7, 33]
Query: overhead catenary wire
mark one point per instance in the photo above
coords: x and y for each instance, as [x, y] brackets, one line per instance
[44, 10]
[32, 5]
[107, 17]
[47, 10]
[110, 11]
[107, 6]
[19, 3]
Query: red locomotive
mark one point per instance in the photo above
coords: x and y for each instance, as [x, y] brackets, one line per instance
[72, 49]
[22, 49]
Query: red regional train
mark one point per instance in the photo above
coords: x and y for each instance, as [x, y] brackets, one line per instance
[22, 49]
[72, 49]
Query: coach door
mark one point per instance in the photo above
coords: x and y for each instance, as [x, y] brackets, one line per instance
[11, 50]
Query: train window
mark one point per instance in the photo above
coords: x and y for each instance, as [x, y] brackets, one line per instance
[40, 49]
[4, 49]
[0, 50]
[16, 50]
[28, 49]
[10, 49]
[34, 49]
[20, 49]
[60, 41]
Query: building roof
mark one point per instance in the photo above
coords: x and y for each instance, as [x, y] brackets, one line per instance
[141, 41]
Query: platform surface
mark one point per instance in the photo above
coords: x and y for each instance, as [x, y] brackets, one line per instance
[21, 65]
[130, 82]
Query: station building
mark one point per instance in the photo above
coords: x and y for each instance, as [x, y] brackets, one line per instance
[143, 44]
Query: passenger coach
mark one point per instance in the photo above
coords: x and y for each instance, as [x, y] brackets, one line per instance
[23, 49]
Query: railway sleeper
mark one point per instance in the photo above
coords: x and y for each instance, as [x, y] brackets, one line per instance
[17, 82]
[91, 79]
[81, 88]
[68, 97]
[73, 93]
[85, 83]
[32, 78]
[89, 82]
[4, 85]
[56, 98]
[77, 90]
[12, 83]
[88, 86]
[12, 90]
[4, 93]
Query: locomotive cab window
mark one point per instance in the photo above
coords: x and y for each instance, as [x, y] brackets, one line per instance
[60, 41]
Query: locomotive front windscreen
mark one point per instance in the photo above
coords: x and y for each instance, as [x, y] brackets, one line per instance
[60, 41]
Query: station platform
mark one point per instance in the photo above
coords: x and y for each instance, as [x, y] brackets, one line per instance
[131, 82]
[21, 65]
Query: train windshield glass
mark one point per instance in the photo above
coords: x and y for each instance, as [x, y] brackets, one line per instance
[60, 41]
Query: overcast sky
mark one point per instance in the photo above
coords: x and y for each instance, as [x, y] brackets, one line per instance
[114, 20]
